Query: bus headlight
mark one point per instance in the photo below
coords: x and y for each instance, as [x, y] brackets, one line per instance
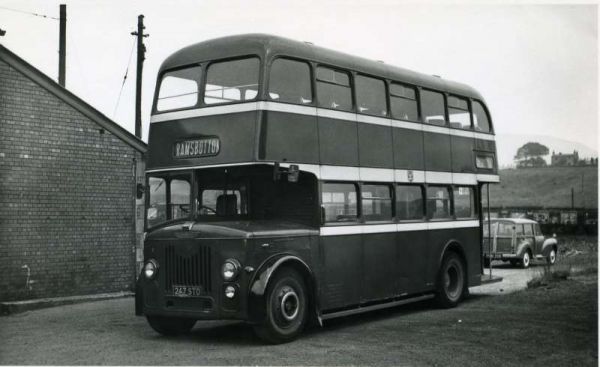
[230, 269]
[150, 269]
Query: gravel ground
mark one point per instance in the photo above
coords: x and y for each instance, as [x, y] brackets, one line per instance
[107, 332]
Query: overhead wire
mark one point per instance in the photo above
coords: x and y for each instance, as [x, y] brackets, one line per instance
[124, 77]
[29, 13]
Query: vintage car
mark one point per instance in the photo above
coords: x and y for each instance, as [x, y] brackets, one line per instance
[517, 240]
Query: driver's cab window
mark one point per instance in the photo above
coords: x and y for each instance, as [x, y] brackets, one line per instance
[223, 203]
[180, 198]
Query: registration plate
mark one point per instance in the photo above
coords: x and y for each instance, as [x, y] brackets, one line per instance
[186, 291]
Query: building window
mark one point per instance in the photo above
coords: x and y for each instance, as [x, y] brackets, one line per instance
[458, 112]
[333, 89]
[403, 101]
[370, 96]
[376, 203]
[232, 81]
[432, 104]
[179, 89]
[290, 82]
[481, 120]
[409, 200]
[339, 202]
[464, 202]
[438, 202]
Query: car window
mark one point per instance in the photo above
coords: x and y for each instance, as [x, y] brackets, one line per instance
[528, 229]
[518, 229]
[505, 229]
[538, 230]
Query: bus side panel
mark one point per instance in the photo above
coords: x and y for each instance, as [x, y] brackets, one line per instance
[233, 147]
[462, 154]
[412, 261]
[380, 266]
[375, 154]
[338, 141]
[408, 149]
[341, 264]
[437, 152]
[289, 137]
[468, 238]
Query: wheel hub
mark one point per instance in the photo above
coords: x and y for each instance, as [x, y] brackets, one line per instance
[289, 304]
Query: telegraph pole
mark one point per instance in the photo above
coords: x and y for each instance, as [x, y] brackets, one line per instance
[141, 51]
[62, 45]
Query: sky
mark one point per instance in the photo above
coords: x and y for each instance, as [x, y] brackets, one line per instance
[536, 65]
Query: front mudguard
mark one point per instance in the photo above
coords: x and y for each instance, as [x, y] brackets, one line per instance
[548, 245]
[260, 282]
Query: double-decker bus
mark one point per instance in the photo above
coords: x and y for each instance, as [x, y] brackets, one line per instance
[289, 183]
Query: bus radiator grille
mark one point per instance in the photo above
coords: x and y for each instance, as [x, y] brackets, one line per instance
[189, 269]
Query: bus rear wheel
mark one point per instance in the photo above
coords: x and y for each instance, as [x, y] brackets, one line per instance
[451, 281]
[286, 307]
[170, 325]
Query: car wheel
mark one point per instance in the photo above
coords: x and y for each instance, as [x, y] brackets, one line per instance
[170, 325]
[286, 308]
[551, 259]
[525, 260]
[450, 281]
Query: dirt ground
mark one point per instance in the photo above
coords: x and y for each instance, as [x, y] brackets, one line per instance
[547, 326]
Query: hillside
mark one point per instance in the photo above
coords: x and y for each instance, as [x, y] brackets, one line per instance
[546, 187]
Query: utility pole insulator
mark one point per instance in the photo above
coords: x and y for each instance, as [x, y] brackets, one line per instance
[141, 52]
[62, 45]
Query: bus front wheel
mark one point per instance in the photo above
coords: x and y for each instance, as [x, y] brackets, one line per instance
[451, 281]
[286, 308]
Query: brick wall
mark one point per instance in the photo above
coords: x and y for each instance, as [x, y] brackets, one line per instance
[67, 206]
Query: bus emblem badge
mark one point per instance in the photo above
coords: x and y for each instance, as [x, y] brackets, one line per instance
[410, 175]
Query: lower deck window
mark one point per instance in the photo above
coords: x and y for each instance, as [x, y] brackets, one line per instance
[339, 202]
[410, 202]
[438, 202]
[376, 203]
[464, 202]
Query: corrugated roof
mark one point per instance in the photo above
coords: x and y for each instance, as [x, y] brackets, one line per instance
[71, 99]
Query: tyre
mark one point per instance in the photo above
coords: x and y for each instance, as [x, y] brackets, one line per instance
[286, 307]
[525, 259]
[451, 281]
[170, 325]
[551, 258]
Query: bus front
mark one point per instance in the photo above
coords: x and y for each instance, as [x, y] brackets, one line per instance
[217, 219]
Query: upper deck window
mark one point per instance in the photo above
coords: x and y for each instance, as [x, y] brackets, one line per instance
[432, 104]
[179, 89]
[481, 120]
[458, 111]
[370, 96]
[333, 89]
[290, 82]
[404, 102]
[232, 81]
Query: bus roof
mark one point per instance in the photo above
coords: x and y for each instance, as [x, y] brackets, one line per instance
[268, 46]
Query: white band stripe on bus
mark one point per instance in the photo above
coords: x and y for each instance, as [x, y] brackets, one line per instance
[366, 174]
[398, 227]
[314, 111]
